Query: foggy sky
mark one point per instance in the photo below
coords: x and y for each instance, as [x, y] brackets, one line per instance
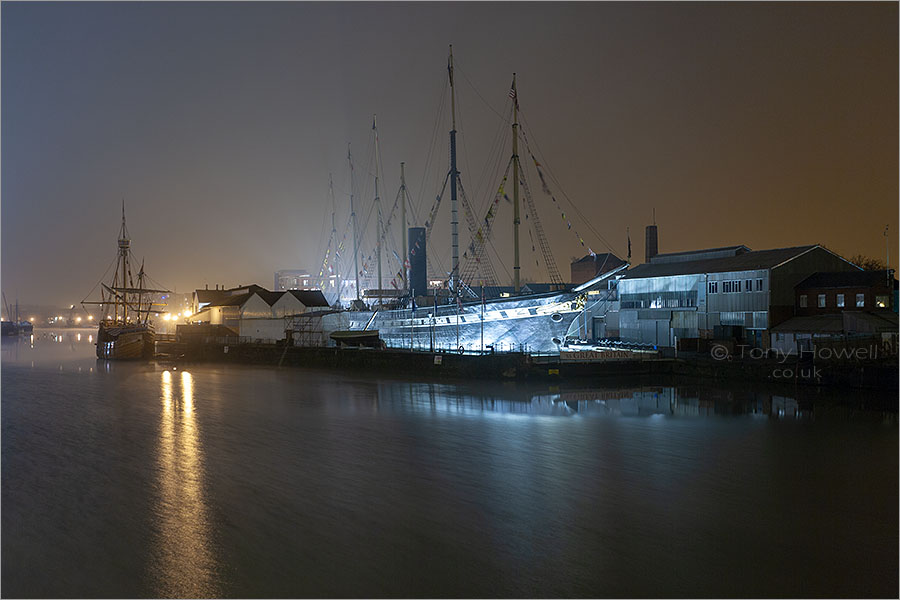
[768, 125]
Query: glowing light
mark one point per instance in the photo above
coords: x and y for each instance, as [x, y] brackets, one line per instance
[186, 314]
[78, 319]
[31, 319]
[90, 317]
[78, 337]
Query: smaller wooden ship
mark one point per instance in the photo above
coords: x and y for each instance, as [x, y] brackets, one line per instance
[125, 331]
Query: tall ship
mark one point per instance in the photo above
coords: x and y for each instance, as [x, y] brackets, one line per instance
[125, 331]
[463, 320]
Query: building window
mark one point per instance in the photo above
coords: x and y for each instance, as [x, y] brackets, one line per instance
[840, 300]
[882, 301]
[821, 300]
[802, 300]
[860, 300]
[730, 287]
[759, 285]
[748, 285]
[713, 287]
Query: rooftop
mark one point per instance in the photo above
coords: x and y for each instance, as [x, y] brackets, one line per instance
[750, 260]
[854, 279]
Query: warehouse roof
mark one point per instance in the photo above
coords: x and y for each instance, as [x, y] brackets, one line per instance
[746, 261]
[854, 279]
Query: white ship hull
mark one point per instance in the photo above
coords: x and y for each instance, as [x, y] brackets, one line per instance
[535, 324]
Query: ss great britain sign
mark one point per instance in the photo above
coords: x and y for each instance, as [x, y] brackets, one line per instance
[605, 355]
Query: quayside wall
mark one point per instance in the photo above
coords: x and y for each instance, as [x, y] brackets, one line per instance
[519, 366]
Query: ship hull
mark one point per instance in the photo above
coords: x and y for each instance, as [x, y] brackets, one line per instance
[535, 324]
[125, 342]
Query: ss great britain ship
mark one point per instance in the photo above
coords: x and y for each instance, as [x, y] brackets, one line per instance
[535, 323]
[125, 331]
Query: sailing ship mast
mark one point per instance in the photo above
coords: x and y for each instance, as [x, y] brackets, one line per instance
[334, 241]
[515, 159]
[454, 218]
[380, 224]
[124, 246]
[122, 291]
[353, 218]
[403, 234]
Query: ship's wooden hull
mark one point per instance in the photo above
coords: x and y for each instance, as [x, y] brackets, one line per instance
[125, 342]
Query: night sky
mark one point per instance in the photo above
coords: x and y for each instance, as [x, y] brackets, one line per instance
[768, 125]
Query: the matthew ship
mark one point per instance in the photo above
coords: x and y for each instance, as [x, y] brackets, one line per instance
[125, 331]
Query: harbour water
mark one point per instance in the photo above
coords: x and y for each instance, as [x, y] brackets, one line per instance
[140, 480]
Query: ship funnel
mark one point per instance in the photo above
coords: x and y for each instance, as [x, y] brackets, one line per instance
[418, 269]
[651, 247]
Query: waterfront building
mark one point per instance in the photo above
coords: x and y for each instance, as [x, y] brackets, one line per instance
[293, 279]
[257, 313]
[718, 293]
[823, 293]
[847, 330]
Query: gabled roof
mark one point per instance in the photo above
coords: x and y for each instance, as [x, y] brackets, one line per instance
[856, 279]
[270, 297]
[232, 300]
[209, 295]
[746, 261]
[309, 297]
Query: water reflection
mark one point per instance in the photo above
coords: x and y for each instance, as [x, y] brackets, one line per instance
[186, 566]
[508, 401]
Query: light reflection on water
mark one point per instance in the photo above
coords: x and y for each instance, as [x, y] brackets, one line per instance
[186, 564]
[138, 480]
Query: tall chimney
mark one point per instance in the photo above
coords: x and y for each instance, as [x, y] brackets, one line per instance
[651, 248]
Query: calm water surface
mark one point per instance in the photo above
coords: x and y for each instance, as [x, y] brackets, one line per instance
[137, 480]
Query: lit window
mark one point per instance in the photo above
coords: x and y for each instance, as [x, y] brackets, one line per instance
[803, 302]
[882, 301]
[840, 300]
[860, 300]
[821, 300]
